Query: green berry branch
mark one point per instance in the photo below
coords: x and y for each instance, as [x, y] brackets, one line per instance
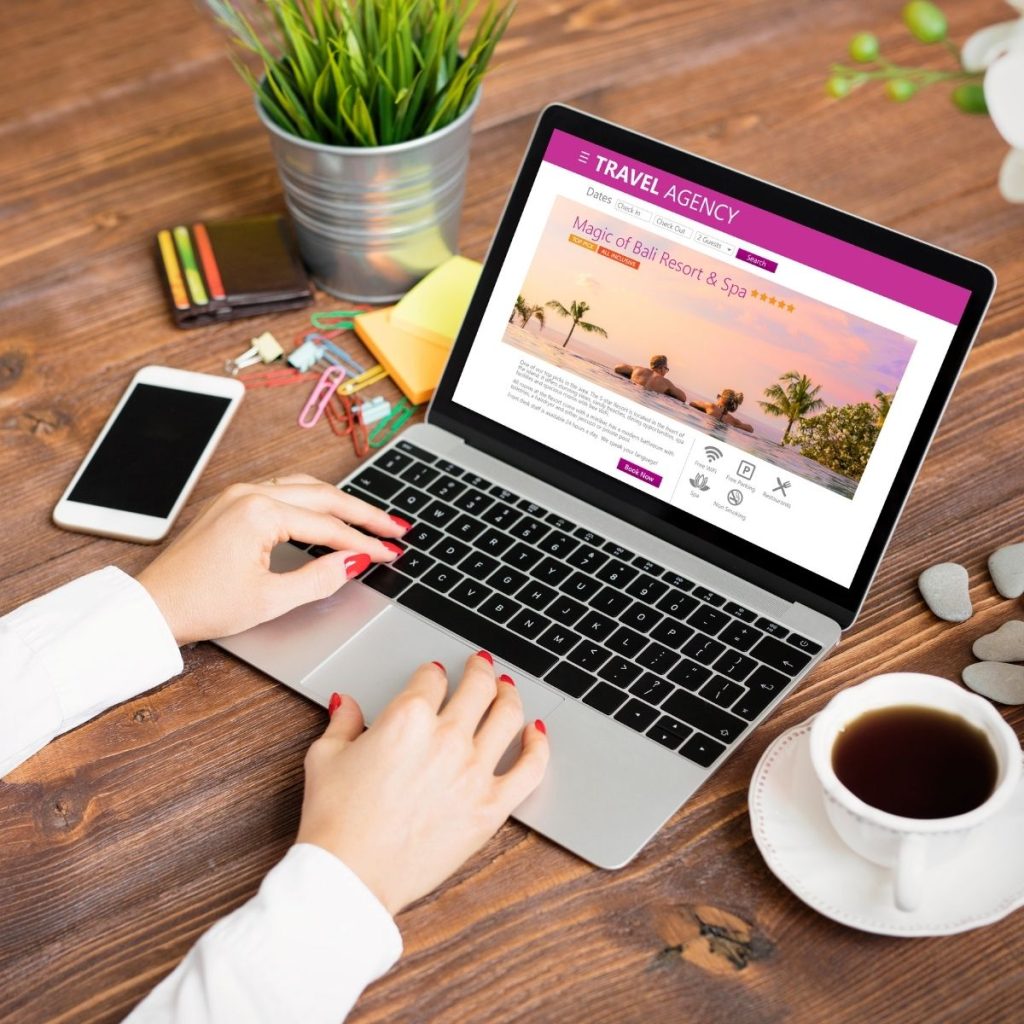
[928, 25]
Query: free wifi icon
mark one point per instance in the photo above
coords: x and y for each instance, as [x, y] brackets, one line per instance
[713, 454]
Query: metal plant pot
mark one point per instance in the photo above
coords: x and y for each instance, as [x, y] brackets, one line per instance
[371, 221]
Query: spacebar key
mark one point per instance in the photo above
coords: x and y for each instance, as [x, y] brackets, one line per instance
[478, 630]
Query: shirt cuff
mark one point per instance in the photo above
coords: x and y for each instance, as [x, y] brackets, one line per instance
[100, 639]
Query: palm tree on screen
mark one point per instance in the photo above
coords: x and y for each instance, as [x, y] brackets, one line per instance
[529, 312]
[576, 311]
[518, 310]
[794, 396]
[883, 402]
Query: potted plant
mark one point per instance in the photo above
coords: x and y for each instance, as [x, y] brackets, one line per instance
[368, 104]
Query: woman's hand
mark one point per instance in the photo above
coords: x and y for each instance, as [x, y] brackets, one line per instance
[404, 803]
[215, 579]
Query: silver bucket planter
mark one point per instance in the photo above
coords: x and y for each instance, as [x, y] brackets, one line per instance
[371, 221]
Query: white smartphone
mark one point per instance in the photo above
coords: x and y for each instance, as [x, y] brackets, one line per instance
[148, 457]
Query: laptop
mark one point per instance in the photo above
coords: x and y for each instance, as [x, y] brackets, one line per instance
[670, 445]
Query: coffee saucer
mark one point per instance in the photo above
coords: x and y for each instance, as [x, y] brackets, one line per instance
[982, 884]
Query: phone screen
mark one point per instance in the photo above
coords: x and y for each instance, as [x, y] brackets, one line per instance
[148, 454]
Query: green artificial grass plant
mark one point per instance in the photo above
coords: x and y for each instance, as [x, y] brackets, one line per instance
[365, 72]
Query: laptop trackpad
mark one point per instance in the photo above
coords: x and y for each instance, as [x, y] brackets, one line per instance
[376, 664]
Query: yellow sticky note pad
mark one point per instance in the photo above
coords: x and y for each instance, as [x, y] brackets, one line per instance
[414, 365]
[434, 309]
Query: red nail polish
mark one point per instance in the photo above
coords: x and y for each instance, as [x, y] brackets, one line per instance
[356, 564]
[440, 666]
[399, 521]
[506, 679]
[486, 656]
[334, 704]
[393, 548]
[540, 727]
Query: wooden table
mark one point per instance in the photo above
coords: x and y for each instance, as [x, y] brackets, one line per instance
[122, 841]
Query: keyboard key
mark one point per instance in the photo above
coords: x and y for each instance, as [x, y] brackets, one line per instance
[701, 750]
[419, 474]
[672, 725]
[529, 529]
[421, 536]
[673, 579]
[438, 514]
[319, 549]
[646, 588]
[414, 563]
[557, 544]
[677, 605]
[702, 648]
[616, 573]
[586, 559]
[708, 620]
[580, 586]
[705, 716]
[689, 674]
[801, 643]
[386, 581]
[636, 714]
[480, 632]
[641, 617]
[466, 527]
[721, 691]
[477, 481]
[664, 737]
[499, 608]
[647, 566]
[536, 595]
[379, 484]
[506, 581]
[651, 688]
[446, 488]
[605, 698]
[529, 623]
[559, 639]
[392, 461]
[522, 556]
[739, 635]
[734, 665]
[589, 656]
[478, 566]
[570, 679]
[780, 655]
[627, 641]
[672, 634]
[740, 612]
[419, 453]
[657, 658]
[531, 509]
[410, 500]
[622, 554]
[451, 550]
[609, 601]
[469, 593]
[709, 596]
[559, 522]
[565, 610]
[442, 577]
[504, 495]
[473, 502]
[772, 627]
[448, 467]
[619, 671]
[551, 572]
[494, 542]
[362, 495]
[587, 537]
[763, 686]
[501, 515]
[596, 626]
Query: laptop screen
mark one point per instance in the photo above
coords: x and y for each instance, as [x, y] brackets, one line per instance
[752, 371]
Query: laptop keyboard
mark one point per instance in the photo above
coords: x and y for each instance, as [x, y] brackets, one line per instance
[652, 649]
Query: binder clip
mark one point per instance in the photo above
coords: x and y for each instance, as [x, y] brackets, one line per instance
[264, 349]
[306, 356]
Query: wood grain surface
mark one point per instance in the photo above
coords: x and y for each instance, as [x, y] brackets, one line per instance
[123, 840]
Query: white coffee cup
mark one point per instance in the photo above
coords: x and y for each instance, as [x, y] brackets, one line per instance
[909, 846]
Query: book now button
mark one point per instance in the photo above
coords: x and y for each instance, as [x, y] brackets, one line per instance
[625, 466]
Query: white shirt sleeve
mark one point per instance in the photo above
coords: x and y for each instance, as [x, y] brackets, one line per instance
[301, 950]
[75, 652]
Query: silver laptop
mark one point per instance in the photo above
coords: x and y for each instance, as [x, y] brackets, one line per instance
[670, 445]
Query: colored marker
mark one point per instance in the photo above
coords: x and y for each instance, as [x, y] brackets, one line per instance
[210, 268]
[188, 261]
[171, 269]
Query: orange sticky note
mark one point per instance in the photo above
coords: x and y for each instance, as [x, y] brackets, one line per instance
[413, 364]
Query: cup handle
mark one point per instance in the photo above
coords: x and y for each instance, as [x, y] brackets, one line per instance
[910, 873]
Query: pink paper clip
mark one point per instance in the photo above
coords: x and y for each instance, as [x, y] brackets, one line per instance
[321, 395]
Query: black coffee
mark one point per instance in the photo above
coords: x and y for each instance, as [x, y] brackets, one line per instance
[915, 762]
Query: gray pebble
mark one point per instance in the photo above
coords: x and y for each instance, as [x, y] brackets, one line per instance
[944, 589]
[998, 682]
[1007, 569]
[1005, 644]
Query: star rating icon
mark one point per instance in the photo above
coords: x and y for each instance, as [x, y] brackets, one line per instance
[779, 304]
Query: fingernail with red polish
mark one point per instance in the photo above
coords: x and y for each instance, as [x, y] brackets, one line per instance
[506, 679]
[540, 727]
[399, 521]
[356, 564]
[486, 656]
[440, 666]
[334, 704]
[393, 548]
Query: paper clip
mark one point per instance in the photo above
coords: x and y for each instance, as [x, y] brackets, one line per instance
[335, 319]
[385, 431]
[276, 377]
[337, 356]
[371, 376]
[306, 356]
[264, 349]
[348, 423]
[321, 395]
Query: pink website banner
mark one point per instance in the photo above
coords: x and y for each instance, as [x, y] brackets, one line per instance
[759, 227]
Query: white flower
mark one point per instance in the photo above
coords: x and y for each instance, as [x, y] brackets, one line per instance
[999, 51]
